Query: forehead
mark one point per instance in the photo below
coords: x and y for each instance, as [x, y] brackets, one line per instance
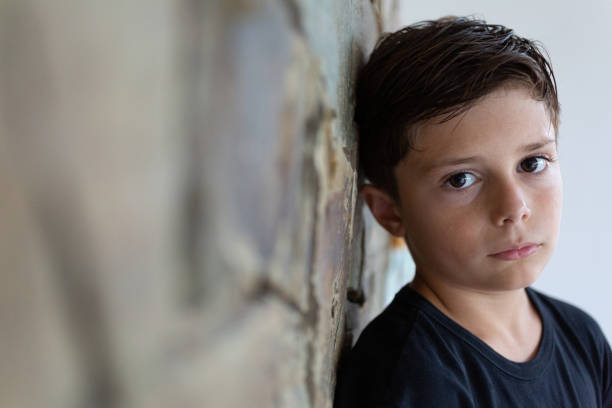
[497, 124]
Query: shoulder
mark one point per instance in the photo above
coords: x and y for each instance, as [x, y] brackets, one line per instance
[583, 334]
[367, 372]
[402, 359]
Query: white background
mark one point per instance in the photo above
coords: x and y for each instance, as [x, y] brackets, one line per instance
[578, 38]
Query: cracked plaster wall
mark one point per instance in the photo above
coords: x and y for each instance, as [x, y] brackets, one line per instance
[179, 201]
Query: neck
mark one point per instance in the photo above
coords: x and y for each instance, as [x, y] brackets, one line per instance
[505, 320]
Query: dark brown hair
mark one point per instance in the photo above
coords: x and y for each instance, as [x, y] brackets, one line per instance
[438, 69]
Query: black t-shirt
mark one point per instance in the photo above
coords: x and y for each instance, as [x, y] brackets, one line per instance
[412, 355]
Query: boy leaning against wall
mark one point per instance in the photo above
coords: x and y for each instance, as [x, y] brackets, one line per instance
[457, 124]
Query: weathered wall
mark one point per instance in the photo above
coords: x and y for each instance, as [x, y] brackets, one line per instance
[180, 222]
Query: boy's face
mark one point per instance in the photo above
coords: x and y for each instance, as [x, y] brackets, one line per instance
[477, 187]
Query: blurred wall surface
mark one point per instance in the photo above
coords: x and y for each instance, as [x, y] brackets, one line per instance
[178, 201]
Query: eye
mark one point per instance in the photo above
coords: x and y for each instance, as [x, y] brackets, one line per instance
[534, 164]
[460, 181]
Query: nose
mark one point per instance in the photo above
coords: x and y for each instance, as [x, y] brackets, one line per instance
[510, 204]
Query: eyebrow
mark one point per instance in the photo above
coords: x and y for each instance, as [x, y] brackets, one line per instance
[535, 146]
[461, 160]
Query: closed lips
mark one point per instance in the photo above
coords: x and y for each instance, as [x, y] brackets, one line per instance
[516, 248]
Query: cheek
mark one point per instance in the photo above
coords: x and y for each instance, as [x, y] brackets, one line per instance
[548, 202]
[550, 223]
[442, 232]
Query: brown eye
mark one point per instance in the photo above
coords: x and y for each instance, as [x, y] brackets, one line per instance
[460, 180]
[533, 164]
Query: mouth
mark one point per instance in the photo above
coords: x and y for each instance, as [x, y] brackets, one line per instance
[515, 253]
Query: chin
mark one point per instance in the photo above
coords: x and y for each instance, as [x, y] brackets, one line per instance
[519, 277]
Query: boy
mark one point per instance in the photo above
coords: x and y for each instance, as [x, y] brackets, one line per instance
[457, 124]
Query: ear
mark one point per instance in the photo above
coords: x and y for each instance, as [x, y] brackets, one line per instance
[384, 209]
